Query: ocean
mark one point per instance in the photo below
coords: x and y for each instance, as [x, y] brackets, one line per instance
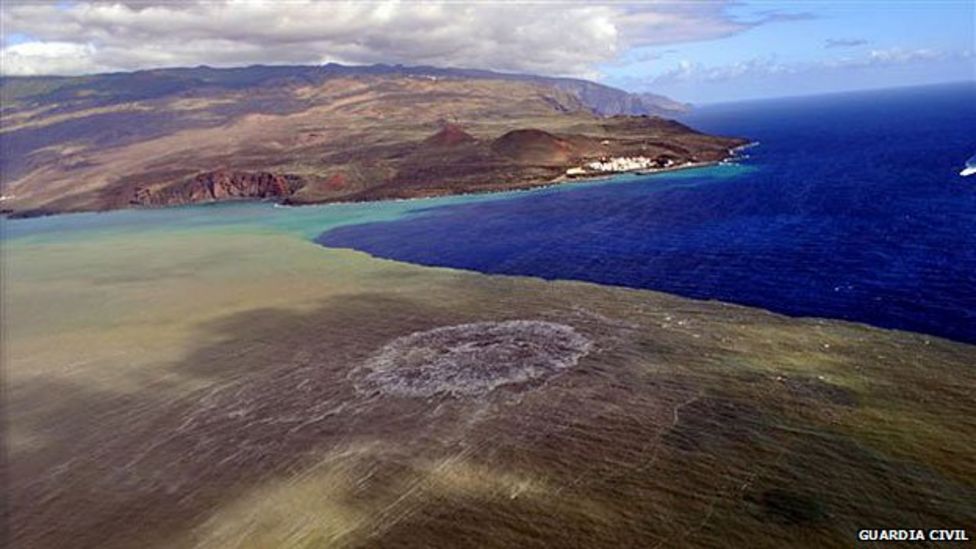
[849, 207]
[199, 376]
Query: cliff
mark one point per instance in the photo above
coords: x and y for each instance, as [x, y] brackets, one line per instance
[219, 185]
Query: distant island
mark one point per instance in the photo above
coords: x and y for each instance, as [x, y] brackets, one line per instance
[304, 135]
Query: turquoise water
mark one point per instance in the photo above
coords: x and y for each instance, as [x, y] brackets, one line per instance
[301, 221]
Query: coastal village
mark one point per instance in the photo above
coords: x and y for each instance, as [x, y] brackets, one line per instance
[621, 164]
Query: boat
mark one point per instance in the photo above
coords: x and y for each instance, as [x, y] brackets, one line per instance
[970, 168]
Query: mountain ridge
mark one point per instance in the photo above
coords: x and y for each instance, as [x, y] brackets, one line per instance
[604, 100]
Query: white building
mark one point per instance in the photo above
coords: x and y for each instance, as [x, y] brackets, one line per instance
[622, 164]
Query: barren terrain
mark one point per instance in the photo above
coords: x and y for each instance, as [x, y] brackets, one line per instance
[92, 144]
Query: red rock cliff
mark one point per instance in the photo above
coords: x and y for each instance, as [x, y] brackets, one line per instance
[220, 185]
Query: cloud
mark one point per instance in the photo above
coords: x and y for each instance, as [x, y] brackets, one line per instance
[686, 71]
[900, 55]
[895, 56]
[770, 16]
[55, 57]
[844, 43]
[541, 37]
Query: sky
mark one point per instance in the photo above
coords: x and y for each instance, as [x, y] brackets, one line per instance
[700, 51]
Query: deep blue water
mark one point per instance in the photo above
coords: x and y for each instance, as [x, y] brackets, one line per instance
[851, 207]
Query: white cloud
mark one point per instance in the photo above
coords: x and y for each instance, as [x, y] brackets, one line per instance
[844, 42]
[32, 58]
[686, 71]
[900, 55]
[546, 38]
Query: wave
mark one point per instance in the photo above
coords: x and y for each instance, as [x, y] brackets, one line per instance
[970, 168]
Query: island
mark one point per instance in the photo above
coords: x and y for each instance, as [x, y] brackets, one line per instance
[305, 135]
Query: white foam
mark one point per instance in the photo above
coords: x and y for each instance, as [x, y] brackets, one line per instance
[471, 359]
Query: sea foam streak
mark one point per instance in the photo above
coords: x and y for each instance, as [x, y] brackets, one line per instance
[970, 168]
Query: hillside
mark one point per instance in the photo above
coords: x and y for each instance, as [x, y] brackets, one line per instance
[599, 98]
[309, 134]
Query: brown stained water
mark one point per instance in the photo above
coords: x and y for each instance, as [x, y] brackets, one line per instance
[254, 390]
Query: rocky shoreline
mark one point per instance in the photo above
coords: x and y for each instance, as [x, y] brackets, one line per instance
[347, 138]
[448, 163]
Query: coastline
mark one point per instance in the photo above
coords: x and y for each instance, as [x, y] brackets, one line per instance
[528, 185]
